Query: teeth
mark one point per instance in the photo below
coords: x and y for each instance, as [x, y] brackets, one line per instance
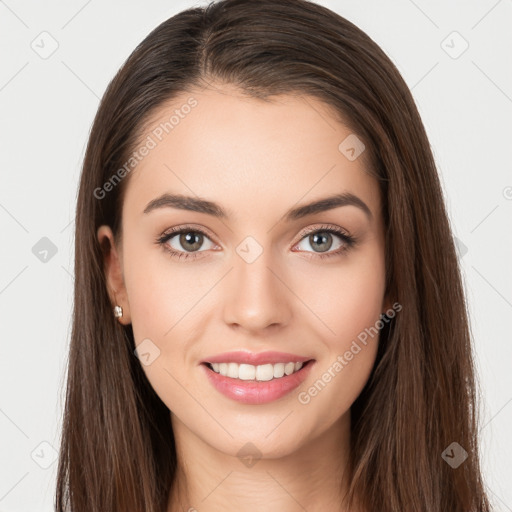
[278, 370]
[262, 372]
[232, 370]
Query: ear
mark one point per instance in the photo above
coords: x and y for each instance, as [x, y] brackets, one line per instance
[112, 266]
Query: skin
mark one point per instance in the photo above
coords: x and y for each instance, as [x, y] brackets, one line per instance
[257, 160]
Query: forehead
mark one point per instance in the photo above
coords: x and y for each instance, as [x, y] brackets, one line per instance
[242, 151]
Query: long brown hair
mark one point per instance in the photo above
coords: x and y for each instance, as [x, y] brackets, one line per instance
[117, 449]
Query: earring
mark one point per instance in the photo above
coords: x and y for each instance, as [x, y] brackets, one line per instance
[118, 311]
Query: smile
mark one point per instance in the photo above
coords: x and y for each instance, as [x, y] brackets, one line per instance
[253, 385]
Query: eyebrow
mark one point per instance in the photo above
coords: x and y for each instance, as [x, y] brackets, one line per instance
[196, 204]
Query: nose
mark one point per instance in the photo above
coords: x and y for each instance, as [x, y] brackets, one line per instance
[256, 295]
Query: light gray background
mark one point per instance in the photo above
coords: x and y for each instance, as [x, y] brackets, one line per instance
[47, 107]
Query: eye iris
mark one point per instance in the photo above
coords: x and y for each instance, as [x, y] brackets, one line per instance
[322, 239]
[193, 238]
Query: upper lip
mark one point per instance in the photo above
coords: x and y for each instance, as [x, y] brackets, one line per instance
[255, 359]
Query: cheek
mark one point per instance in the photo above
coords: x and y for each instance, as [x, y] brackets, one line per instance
[167, 304]
[348, 298]
[348, 301]
[359, 302]
[156, 290]
[159, 303]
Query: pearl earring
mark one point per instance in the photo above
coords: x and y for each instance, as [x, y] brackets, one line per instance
[118, 311]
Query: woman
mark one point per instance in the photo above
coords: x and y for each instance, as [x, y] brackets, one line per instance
[268, 307]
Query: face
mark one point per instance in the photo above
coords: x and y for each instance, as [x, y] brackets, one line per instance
[251, 281]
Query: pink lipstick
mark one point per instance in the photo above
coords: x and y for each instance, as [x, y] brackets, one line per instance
[256, 378]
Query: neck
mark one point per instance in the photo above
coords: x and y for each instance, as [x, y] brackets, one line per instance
[314, 477]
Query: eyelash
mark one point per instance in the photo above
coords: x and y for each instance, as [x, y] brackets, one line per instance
[349, 241]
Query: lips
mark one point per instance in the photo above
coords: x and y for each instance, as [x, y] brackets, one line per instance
[252, 391]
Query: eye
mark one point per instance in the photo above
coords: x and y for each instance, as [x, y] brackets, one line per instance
[184, 241]
[189, 238]
[322, 239]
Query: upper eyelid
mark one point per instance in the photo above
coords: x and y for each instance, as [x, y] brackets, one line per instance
[324, 227]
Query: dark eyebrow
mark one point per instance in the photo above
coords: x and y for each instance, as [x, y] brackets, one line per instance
[193, 204]
[328, 203]
[196, 204]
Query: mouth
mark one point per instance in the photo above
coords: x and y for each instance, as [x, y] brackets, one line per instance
[257, 373]
[256, 384]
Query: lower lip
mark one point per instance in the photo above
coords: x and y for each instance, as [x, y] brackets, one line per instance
[257, 392]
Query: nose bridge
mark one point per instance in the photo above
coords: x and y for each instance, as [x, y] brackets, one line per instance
[256, 297]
